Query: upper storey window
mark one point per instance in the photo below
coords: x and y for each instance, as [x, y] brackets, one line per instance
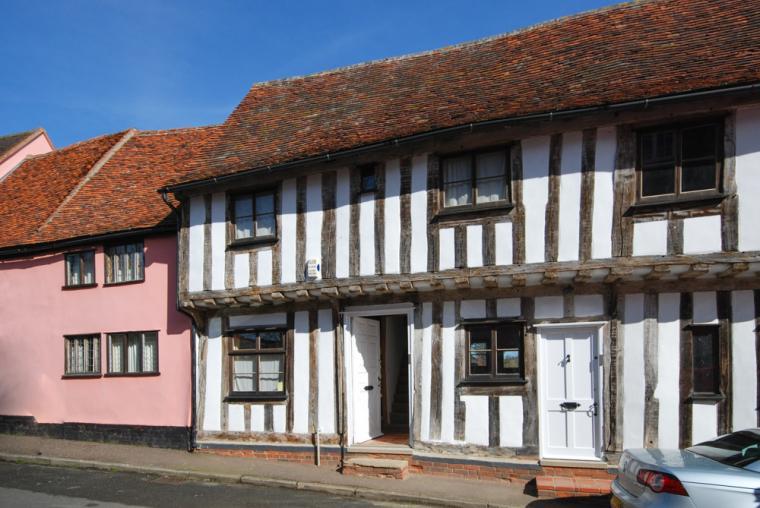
[125, 263]
[80, 268]
[254, 216]
[475, 180]
[680, 162]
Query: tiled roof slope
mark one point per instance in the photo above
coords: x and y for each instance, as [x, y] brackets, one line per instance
[627, 52]
[10, 141]
[65, 194]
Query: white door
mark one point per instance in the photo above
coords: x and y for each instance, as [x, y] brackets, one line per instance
[568, 385]
[366, 378]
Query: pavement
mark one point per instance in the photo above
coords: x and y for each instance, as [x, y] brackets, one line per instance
[177, 464]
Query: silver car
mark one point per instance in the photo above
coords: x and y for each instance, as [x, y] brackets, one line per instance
[723, 473]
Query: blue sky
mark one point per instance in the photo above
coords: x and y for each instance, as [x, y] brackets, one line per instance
[84, 68]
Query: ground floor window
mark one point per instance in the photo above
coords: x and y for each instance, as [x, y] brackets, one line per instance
[705, 360]
[133, 353]
[257, 365]
[82, 355]
[495, 352]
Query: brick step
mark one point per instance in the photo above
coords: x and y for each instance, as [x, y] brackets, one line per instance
[563, 486]
[377, 468]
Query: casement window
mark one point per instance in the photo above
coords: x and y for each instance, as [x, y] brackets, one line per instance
[680, 162]
[133, 353]
[368, 178]
[82, 355]
[257, 365]
[475, 180]
[124, 263]
[494, 352]
[705, 360]
[254, 216]
[80, 268]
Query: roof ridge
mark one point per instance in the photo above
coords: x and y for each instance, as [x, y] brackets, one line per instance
[90, 174]
[450, 47]
[161, 132]
[89, 140]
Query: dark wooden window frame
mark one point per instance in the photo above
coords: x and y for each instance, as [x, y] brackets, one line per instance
[79, 253]
[108, 263]
[716, 393]
[232, 223]
[696, 197]
[124, 373]
[364, 171]
[503, 204]
[74, 375]
[494, 378]
[235, 396]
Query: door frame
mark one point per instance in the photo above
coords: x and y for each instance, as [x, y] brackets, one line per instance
[402, 309]
[598, 328]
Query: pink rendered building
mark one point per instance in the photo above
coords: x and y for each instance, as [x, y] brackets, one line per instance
[14, 148]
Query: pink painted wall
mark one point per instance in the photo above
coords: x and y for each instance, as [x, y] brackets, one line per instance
[38, 145]
[35, 314]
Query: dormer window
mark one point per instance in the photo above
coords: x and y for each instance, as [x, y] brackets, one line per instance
[254, 216]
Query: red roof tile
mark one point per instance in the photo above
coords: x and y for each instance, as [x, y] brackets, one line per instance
[627, 52]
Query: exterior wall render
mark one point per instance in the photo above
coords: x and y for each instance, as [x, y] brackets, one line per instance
[37, 146]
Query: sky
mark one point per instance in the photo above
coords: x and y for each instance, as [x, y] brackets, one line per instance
[85, 68]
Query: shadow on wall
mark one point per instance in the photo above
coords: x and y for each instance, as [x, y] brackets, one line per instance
[176, 322]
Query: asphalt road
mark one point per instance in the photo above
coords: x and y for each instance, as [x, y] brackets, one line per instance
[30, 486]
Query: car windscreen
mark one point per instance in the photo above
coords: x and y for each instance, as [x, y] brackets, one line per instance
[738, 449]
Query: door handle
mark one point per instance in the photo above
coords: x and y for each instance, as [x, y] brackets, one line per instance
[369, 387]
[569, 406]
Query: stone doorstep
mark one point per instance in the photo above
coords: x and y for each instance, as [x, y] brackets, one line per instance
[382, 468]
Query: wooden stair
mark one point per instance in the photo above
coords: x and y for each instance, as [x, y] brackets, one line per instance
[400, 408]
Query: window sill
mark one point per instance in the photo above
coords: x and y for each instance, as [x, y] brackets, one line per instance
[494, 382]
[673, 205]
[249, 242]
[82, 376]
[132, 374]
[79, 286]
[467, 212]
[256, 397]
[125, 283]
[706, 397]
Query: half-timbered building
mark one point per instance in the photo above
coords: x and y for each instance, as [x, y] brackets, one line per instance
[517, 254]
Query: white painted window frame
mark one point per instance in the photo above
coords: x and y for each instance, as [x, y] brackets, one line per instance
[397, 309]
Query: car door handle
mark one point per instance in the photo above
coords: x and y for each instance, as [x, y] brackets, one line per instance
[569, 405]
[369, 387]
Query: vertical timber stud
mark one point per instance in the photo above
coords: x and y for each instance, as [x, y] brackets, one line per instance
[724, 341]
[353, 234]
[489, 243]
[625, 191]
[587, 193]
[207, 244]
[530, 406]
[551, 231]
[617, 302]
[518, 212]
[301, 228]
[252, 265]
[277, 249]
[328, 225]
[675, 236]
[756, 294]
[380, 219]
[229, 254]
[417, 371]
[730, 205]
[405, 245]
[609, 375]
[247, 418]
[687, 312]
[225, 384]
[651, 409]
[460, 246]
[289, 373]
[493, 421]
[340, 374]
[183, 244]
[432, 210]
[202, 370]
[313, 370]
[269, 418]
[460, 350]
[435, 373]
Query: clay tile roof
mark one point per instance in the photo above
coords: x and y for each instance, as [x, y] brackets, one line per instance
[623, 53]
[103, 185]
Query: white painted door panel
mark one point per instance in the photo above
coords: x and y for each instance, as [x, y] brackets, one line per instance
[366, 378]
[568, 376]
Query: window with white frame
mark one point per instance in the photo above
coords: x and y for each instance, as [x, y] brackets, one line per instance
[133, 353]
[82, 355]
[124, 263]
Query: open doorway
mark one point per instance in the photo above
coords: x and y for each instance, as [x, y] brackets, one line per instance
[378, 377]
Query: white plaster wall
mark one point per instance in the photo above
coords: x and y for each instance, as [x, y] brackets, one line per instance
[743, 360]
[288, 234]
[195, 244]
[535, 154]
[650, 238]
[570, 196]
[235, 418]
[278, 418]
[446, 258]
[601, 222]
[264, 267]
[705, 308]
[503, 243]
[213, 403]
[588, 305]
[418, 200]
[748, 176]
[425, 374]
[701, 234]
[313, 219]
[704, 425]
[476, 419]
[257, 418]
[474, 245]
[367, 234]
[326, 371]
[218, 239]
[549, 307]
[254, 320]
[633, 371]
[342, 223]
[472, 309]
[510, 421]
[242, 269]
[448, 386]
[508, 307]
[301, 373]
[667, 391]
[392, 209]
